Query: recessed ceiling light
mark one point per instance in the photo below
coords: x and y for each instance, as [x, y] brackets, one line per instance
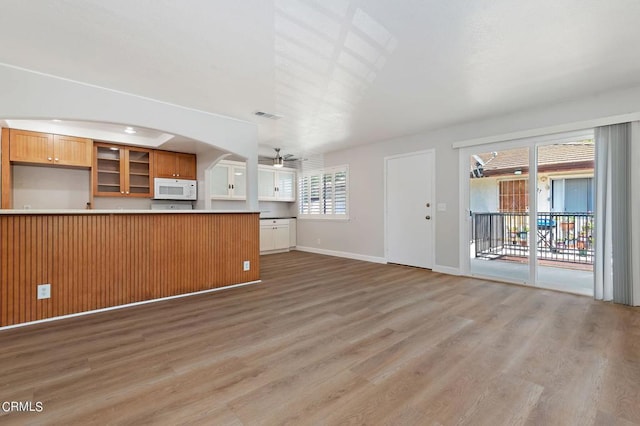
[130, 130]
[55, 120]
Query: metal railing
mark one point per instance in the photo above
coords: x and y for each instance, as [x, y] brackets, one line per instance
[561, 237]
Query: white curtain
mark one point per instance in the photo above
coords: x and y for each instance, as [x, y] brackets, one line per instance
[614, 239]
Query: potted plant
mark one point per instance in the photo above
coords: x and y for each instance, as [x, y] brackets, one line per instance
[524, 234]
[568, 223]
[514, 235]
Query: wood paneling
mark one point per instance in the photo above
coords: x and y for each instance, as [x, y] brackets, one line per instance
[5, 170]
[95, 261]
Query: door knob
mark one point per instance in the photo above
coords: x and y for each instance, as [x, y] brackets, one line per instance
[428, 217]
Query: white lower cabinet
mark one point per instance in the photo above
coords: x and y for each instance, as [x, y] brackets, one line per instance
[274, 234]
[292, 233]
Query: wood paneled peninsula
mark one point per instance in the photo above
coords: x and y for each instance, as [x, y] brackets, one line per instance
[95, 259]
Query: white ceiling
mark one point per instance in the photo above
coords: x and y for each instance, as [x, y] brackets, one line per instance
[339, 72]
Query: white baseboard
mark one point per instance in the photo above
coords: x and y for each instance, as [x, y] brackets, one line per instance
[446, 270]
[128, 305]
[345, 254]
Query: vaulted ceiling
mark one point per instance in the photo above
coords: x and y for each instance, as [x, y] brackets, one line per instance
[336, 72]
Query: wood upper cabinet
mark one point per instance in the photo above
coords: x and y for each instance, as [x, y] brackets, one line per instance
[174, 165]
[45, 148]
[122, 171]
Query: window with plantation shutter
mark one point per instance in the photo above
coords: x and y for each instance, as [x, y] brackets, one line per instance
[324, 193]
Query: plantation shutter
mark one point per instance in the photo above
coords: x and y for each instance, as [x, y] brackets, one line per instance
[340, 193]
[324, 193]
[304, 196]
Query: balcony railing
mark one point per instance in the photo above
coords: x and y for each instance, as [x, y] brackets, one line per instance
[561, 237]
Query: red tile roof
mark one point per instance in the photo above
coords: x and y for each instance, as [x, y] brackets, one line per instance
[563, 157]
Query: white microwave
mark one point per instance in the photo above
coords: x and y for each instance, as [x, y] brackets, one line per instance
[175, 189]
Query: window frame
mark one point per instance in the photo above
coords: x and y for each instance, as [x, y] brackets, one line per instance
[322, 191]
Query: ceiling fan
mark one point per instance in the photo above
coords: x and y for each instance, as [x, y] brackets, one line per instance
[278, 160]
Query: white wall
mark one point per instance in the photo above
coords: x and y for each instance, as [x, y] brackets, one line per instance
[121, 203]
[363, 234]
[50, 187]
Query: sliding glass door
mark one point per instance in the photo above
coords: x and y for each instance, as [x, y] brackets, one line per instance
[565, 227]
[531, 212]
[499, 206]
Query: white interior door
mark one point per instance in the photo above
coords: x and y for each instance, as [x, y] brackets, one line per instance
[409, 209]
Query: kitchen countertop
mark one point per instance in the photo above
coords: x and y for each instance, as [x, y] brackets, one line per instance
[278, 217]
[117, 211]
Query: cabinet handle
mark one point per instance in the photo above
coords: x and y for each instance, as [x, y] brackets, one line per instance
[122, 192]
[49, 158]
[57, 159]
[178, 175]
[233, 186]
[127, 192]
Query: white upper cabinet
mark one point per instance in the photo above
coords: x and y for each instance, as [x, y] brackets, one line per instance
[276, 184]
[286, 185]
[266, 183]
[228, 181]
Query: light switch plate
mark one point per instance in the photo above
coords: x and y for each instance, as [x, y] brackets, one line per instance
[246, 265]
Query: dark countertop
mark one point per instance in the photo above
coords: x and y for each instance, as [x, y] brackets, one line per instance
[278, 217]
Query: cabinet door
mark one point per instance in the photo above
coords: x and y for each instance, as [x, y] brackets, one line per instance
[220, 184]
[239, 182]
[292, 233]
[138, 172]
[71, 151]
[107, 177]
[30, 147]
[186, 166]
[281, 237]
[267, 235]
[266, 184]
[165, 164]
[286, 186]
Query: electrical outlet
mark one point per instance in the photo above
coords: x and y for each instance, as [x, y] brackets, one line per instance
[246, 265]
[44, 291]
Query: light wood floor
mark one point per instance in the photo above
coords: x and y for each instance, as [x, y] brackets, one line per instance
[335, 341]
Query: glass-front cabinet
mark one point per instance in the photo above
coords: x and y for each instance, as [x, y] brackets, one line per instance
[122, 171]
[228, 181]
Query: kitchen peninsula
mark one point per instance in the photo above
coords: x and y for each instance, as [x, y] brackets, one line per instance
[95, 259]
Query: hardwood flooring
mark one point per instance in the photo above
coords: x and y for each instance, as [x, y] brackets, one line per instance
[325, 340]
